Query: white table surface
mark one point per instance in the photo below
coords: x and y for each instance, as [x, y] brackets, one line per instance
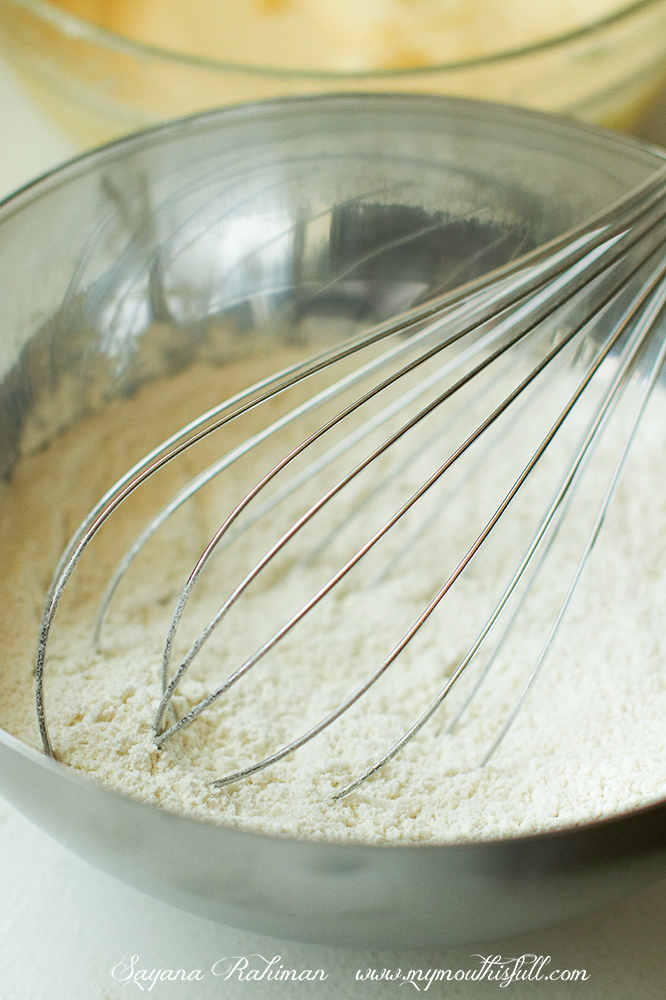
[64, 927]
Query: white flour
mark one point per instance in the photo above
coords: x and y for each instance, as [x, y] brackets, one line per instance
[589, 743]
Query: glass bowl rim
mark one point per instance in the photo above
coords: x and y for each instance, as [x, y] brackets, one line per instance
[79, 28]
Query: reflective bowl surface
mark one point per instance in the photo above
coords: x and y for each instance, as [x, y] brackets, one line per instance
[116, 258]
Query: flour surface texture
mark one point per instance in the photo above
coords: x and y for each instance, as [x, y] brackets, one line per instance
[588, 743]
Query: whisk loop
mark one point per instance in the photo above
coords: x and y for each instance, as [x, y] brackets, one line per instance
[598, 292]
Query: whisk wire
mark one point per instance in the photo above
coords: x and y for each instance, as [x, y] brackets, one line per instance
[514, 321]
[636, 344]
[499, 312]
[594, 534]
[170, 688]
[556, 256]
[499, 302]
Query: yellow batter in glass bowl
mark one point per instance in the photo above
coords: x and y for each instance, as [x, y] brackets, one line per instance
[111, 65]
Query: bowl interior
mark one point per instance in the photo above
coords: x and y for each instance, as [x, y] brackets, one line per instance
[303, 219]
[200, 243]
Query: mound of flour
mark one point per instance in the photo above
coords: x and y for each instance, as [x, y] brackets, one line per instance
[589, 742]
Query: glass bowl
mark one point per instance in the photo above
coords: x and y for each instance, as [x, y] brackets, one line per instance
[117, 272]
[101, 83]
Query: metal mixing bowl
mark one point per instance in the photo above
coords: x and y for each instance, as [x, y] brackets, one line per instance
[114, 270]
[102, 83]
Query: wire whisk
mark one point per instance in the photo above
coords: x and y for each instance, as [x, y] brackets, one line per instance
[519, 380]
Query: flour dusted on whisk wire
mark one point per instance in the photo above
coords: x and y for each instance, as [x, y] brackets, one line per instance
[588, 743]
